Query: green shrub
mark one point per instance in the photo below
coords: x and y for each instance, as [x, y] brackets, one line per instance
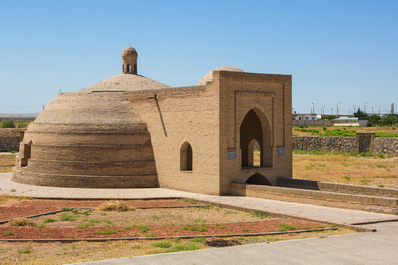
[346, 178]
[183, 247]
[287, 227]
[8, 233]
[162, 244]
[198, 239]
[144, 228]
[385, 134]
[24, 251]
[85, 225]
[8, 124]
[199, 228]
[258, 215]
[49, 220]
[67, 217]
[106, 232]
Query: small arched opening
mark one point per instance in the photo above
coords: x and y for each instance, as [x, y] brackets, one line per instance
[186, 157]
[254, 153]
[258, 179]
[129, 68]
[255, 140]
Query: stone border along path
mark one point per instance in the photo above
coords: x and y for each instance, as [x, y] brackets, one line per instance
[280, 208]
[352, 249]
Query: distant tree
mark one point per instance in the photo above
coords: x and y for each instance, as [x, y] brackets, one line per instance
[389, 121]
[330, 117]
[360, 114]
[374, 120]
[8, 124]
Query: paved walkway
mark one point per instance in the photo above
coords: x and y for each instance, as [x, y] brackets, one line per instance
[320, 213]
[355, 249]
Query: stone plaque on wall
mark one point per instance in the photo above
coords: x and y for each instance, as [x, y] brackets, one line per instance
[231, 154]
[281, 152]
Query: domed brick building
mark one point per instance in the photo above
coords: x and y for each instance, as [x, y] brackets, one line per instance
[129, 131]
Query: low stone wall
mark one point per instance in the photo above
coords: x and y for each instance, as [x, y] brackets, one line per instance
[388, 146]
[328, 143]
[385, 145]
[9, 143]
[335, 187]
[261, 191]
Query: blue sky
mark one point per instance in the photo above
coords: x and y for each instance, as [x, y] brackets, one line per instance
[337, 51]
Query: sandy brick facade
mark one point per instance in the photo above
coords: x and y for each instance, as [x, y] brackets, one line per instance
[131, 131]
[209, 118]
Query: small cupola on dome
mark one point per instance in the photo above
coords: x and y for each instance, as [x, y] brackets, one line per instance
[129, 59]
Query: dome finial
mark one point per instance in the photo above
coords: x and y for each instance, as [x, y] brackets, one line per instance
[129, 59]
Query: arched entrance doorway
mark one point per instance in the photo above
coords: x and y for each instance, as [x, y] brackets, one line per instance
[258, 179]
[255, 140]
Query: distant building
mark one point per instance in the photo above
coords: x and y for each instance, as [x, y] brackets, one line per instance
[306, 117]
[349, 121]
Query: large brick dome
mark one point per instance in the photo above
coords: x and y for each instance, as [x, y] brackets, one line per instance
[87, 140]
[90, 138]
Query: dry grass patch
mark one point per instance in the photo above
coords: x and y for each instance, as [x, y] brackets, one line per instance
[368, 171]
[7, 162]
[82, 251]
[115, 206]
[347, 128]
[22, 222]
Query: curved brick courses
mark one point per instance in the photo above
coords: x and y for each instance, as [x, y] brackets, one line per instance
[87, 140]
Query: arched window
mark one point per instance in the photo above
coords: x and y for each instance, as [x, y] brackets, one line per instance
[129, 68]
[186, 157]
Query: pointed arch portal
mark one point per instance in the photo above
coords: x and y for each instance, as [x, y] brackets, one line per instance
[255, 133]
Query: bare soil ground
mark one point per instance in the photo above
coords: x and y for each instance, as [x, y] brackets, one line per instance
[139, 222]
[148, 223]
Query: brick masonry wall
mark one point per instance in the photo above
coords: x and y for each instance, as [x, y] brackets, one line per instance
[9, 143]
[388, 146]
